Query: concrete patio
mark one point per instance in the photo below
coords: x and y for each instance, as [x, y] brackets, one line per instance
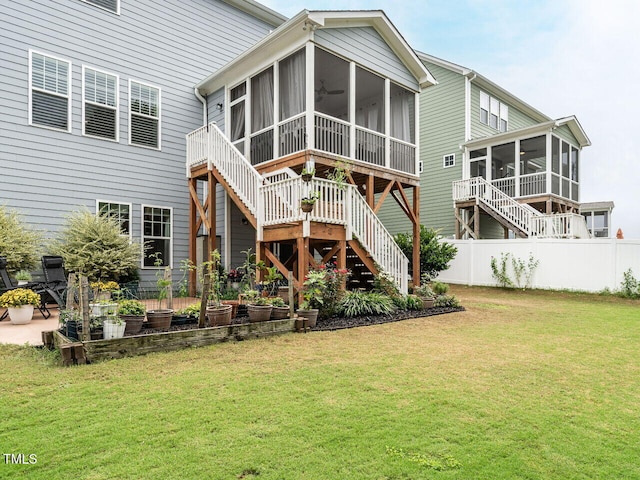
[30, 333]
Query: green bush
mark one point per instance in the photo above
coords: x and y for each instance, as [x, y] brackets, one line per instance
[435, 255]
[440, 288]
[357, 304]
[630, 287]
[446, 301]
[413, 303]
[18, 243]
[93, 245]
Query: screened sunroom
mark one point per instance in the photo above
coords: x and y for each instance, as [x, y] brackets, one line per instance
[536, 162]
[314, 99]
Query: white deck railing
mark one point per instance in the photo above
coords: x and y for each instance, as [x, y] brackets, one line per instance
[533, 184]
[531, 222]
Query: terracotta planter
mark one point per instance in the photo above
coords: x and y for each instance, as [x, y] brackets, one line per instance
[234, 306]
[311, 315]
[259, 313]
[219, 316]
[159, 319]
[133, 322]
[279, 313]
[21, 315]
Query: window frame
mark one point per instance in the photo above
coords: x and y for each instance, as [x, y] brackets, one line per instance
[159, 118]
[68, 96]
[449, 156]
[492, 107]
[116, 108]
[130, 205]
[143, 237]
[117, 12]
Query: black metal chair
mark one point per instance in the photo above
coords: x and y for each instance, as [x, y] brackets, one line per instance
[7, 285]
[55, 278]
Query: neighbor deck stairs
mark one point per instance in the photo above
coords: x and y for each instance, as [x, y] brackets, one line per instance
[521, 218]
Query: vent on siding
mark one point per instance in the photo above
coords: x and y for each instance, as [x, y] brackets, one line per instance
[49, 110]
[111, 5]
[100, 121]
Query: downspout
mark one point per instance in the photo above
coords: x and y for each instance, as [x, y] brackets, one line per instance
[204, 104]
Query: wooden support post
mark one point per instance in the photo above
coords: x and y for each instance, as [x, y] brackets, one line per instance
[193, 236]
[457, 227]
[211, 200]
[291, 305]
[476, 221]
[84, 308]
[370, 192]
[303, 249]
[416, 236]
[342, 260]
[72, 291]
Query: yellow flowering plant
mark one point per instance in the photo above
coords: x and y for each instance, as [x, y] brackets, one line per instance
[19, 297]
[101, 286]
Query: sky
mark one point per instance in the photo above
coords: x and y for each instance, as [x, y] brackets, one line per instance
[562, 57]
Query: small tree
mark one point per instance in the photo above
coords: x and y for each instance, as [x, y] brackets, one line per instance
[94, 245]
[435, 254]
[18, 243]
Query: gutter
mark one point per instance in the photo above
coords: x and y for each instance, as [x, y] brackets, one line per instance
[203, 100]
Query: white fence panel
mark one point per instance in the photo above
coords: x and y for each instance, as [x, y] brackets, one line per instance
[574, 264]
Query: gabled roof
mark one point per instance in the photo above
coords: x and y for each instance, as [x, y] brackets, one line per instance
[259, 11]
[571, 122]
[300, 28]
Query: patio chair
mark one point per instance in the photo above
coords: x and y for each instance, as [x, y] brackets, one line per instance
[55, 278]
[7, 284]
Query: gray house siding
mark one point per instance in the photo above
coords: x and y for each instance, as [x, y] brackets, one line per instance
[170, 45]
[365, 46]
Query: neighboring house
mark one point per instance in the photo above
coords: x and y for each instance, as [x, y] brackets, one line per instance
[324, 90]
[95, 100]
[492, 165]
[598, 217]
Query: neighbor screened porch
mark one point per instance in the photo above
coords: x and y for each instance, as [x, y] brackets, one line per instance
[315, 100]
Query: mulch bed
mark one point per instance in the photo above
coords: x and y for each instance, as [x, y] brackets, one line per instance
[338, 323]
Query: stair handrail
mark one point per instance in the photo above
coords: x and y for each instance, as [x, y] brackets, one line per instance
[376, 239]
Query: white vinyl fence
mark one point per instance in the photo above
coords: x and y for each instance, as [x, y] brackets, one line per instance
[582, 264]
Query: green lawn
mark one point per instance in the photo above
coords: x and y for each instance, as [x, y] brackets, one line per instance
[521, 385]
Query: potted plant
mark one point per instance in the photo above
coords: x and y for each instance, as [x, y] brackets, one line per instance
[280, 309]
[307, 174]
[70, 323]
[258, 307]
[191, 311]
[425, 294]
[160, 318]
[113, 327]
[313, 294]
[307, 203]
[217, 313]
[270, 280]
[20, 302]
[23, 277]
[235, 277]
[132, 312]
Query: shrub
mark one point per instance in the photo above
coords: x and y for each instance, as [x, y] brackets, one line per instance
[357, 304]
[413, 302]
[322, 289]
[131, 307]
[630, 287]
[93, 245]
[440, 288]
[385, 284]
[18, 243]
[424, 290]
[435, 255]
[400, 302]
[446, 301]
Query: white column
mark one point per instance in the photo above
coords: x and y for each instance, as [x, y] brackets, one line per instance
[352, 110]
[516, 180]
[276, 109]
[387, 123]
[310, 98]
[548, 163]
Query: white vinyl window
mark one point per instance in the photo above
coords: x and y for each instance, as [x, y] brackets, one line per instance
[49, 92]
[449, 160]
[144, 115]
[119, 211]
[157, 236]
[493, 112]
[99, 104]
[110, 5]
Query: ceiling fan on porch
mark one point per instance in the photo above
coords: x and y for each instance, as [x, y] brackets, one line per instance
[322, 92]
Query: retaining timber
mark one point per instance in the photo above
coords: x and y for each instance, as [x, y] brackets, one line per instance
[98, 350]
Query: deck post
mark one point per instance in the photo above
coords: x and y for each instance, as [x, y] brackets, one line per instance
[416, 236]
[193, 182]
[211, 201]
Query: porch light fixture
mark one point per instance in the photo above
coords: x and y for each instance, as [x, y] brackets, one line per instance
[219, 106]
